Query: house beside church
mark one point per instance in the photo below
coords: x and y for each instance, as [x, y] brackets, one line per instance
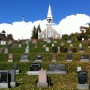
[49, 32]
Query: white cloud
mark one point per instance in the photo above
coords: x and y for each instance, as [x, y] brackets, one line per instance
[70, 24]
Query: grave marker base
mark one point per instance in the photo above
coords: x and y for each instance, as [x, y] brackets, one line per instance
[3, 85]
[10, 60]
[13, 84]
[84, 60]
[24, 60]
[42, 84]
[83, 86]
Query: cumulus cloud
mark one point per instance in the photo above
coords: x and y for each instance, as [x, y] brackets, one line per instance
[68, 25]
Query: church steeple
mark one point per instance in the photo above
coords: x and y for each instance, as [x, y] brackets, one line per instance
[49, 15]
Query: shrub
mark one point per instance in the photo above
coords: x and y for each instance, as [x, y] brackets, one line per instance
[54, 49]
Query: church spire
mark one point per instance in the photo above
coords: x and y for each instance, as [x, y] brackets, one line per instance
[49, 15]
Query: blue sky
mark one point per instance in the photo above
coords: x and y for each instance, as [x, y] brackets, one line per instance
[68, 16]
[32, 10]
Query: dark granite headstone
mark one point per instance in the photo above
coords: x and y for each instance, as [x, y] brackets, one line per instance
[81, 49]
[7, 78]
[38, 58]
[35, 66]
[82, 81]
[69, 57]
[57, 67]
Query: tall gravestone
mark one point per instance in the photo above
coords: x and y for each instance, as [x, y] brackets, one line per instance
[82, 81]
[7, 79]
[27, 49]
[42, 79]
[54, 57]
[58, 49]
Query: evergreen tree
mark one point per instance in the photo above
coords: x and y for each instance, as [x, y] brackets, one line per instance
[34, 33]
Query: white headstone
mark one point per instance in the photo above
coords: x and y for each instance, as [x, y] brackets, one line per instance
[79, 69]
[47, 48]
[80, 45]
[52, 45]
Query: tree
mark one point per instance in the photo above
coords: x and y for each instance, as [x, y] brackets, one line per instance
[9, 37]
[34, 33]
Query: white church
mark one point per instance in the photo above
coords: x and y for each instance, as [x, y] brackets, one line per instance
[49, 32]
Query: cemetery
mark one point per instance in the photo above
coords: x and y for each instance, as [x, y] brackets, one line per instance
[43, 67]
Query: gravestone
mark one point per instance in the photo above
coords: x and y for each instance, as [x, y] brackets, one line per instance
[3, 79]
[15, 67]
[44, 46]
[19, 45]
[35, 66]
[84, 58]
[52, 45]
[47, 48]
[24, 58]
[82, 39]
[42, 79]
[79, 69]
[71, 45]
[80, 45]
[69, 57]
[82, 81]
[57, 69]
[81, 49]
[10, 57]
[69, 41]
[27, 49]
[54, 57]
[58, 49]
[6, 50]
[48, 41]
[38, 58]
[62, 44]
[54, 41]
[69, 50]
[7, 79]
